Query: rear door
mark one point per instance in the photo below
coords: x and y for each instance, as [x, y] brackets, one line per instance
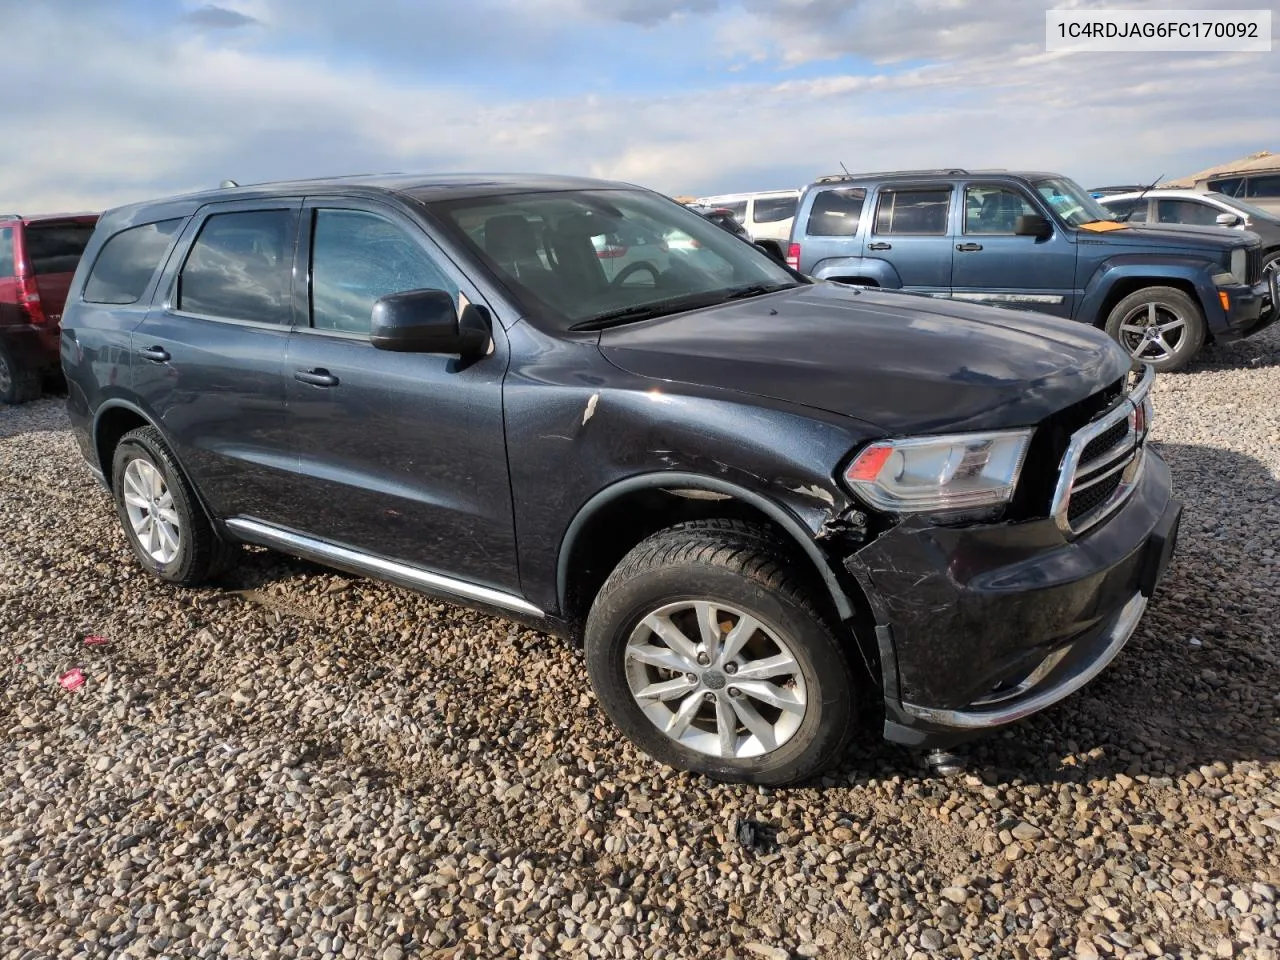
[53, 249]
[993, 265]
[830, 227]
[207, 359]
[9, 312]
[911, 230]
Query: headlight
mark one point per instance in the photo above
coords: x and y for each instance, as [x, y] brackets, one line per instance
[1240, 264]
[925, 474]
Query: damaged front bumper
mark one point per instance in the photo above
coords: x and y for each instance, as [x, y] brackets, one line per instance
[980, 626]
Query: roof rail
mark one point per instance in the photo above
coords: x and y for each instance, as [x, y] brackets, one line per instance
[10, 216]
[938, 172]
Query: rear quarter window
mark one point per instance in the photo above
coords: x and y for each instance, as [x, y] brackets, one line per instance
[55, 247]
[835, 213]
[128, 261]
[774, 209]
[6, 252]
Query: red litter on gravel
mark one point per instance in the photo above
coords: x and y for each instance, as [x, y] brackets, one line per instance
[93, 640]
[73, 679]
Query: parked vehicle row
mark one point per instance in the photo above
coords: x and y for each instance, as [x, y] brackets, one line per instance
[38, 255]
[1037, 241]
[771, 508]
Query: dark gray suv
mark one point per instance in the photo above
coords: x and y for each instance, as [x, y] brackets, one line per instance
[762, 503]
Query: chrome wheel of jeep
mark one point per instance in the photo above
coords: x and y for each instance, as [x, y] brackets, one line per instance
[1152, 332]
[149, 504]
[715, 679]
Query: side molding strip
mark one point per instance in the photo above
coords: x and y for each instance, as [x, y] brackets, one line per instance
[379, 567]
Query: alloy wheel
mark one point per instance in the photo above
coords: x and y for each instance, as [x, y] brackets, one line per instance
[715, 679]
[152, 514]
[1152, 331]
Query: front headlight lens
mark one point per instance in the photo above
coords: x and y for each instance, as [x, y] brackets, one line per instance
[929, 474]
[1240, 264]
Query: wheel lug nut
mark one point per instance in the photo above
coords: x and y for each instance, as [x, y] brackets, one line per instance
[735, 692]
[709, 697]
[730, 668]
[703, 659]
[691, 677]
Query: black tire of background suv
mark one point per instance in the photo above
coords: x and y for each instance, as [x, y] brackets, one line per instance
[24, 384]
[743, 565]
[202, 554]
[1186, 308]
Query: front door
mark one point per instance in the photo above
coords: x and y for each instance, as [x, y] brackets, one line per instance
[400, 455]
[207, 359]
[993, 265]
[910, 231]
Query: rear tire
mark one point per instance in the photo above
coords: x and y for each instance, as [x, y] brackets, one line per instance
[771, 701]
[17, 384]
[162, 519]
[1160, 327]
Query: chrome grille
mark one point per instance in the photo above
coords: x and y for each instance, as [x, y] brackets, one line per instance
[1254, 268]
[1103, 461]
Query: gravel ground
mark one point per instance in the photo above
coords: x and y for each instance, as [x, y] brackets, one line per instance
[302, 764]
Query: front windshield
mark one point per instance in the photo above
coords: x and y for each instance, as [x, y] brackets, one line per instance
[581, 257]
[1071, 203]
[1249, 209]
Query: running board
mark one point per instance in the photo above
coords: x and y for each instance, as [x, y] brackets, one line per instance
[380, 568]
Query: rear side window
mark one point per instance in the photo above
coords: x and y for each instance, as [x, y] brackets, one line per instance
[1187, 211]
[1129, 211]
[921, 213]
[738, 208]
[774, 209]
[6, 252]
[1263, 187]
[55, 247]
[127, 262]
[835, 213]
[358, 257]
[240, 267]
[1230, 186]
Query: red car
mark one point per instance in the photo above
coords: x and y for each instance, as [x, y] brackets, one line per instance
[38, 256]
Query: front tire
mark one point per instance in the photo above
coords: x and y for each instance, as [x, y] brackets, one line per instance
[1161, 327]
[162, 520]
[711, 655]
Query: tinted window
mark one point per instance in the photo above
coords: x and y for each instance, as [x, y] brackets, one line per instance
[994, 209]
[773, 209]
[1230, 186]
[835, 213]
[56, 247]
[1263, 187]
[738, 208]
[913, 212]
[127, 261]
[6, 252]
[1186, 211]
[239, 267]
[358, 257]
[1128, 211]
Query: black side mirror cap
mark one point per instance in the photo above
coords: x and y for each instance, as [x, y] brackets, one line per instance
[427, 321]
[1033, 225]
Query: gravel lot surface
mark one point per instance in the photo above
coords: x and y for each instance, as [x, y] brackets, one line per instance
[302, 764]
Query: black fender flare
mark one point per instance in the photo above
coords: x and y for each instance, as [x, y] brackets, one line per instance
[668, 479]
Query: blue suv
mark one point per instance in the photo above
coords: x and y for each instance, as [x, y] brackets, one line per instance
[1036, 241]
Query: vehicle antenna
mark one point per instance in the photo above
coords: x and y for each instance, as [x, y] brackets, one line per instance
[845, 169]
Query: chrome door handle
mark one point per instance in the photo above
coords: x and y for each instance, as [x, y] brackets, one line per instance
[880, 246]
[155, 354]
[968, 247]
[317, 378]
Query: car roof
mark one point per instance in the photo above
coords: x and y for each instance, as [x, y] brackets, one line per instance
[47, 217]
[940, 173]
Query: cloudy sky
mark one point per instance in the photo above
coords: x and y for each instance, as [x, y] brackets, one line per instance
[109, 103]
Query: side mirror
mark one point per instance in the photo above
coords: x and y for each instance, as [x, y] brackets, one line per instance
[1033, 225]
[427, 321]
[1227, 219]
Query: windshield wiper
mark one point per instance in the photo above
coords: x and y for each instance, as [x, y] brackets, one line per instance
[759, 290]
[647, 311]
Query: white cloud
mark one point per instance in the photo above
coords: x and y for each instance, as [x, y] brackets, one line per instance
[130, 114]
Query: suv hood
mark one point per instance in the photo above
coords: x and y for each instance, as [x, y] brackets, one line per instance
[903, 363]
[1181, 235]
